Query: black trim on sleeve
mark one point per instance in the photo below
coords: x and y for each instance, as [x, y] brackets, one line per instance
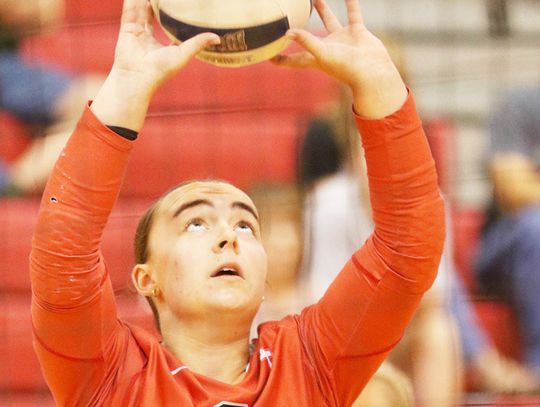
[126, 133]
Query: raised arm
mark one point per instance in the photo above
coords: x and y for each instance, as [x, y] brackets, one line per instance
[73, 309]
[365, 311]
[354, 56]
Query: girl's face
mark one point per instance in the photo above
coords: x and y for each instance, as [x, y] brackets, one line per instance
[206, 253]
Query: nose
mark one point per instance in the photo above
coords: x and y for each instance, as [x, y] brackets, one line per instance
[226, 239]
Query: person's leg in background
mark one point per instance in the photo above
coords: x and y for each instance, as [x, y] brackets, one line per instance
[491, 371]
[430, 354]
[389, 387]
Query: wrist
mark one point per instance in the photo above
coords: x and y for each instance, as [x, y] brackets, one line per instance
[123, 100]
[133, 84]
[379, 95]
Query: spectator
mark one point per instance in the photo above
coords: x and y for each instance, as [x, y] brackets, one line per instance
[508, 258]
[46, 98]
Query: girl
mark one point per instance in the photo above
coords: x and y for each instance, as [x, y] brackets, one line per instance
[201, 261]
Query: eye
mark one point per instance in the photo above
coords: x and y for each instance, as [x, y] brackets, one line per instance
[195, 225]
[244, 227]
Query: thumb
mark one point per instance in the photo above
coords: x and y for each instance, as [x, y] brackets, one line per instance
[168, 60]
[306, 40]
[196, 44]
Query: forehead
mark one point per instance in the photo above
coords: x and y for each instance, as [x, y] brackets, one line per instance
[207, 190]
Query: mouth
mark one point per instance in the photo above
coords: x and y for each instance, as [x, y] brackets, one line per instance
[228, 270]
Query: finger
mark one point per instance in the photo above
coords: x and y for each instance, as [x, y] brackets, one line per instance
[329, 19]
[354, 12]
[134, 11]
[173, 57]
[196, 44]
[297, 60]
[307, 40]
[149, 25]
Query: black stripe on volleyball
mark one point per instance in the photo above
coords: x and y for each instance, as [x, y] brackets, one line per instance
[232, 39]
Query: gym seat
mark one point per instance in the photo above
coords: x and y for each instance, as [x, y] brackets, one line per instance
[240, 147]
[14, 137]
[18, 218]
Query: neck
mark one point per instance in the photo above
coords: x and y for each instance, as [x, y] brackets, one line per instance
[219, 352]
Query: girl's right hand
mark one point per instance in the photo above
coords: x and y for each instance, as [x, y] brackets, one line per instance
[139, 54]
[141, 65]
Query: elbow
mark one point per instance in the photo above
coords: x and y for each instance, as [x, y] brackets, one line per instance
[433, 232]
[414, 248]
[438, 235]
[431, 242]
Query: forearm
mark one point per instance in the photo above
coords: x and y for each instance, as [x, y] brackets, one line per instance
[66, 263]
[408, 211]
[376, 294]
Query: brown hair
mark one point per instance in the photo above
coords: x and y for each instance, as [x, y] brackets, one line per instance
[141, 248]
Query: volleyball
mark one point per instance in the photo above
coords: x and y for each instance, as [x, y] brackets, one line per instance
[251, 31]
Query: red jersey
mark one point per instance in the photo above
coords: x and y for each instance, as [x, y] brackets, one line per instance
[322, 357]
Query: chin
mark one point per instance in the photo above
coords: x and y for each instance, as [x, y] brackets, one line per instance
[231, 301]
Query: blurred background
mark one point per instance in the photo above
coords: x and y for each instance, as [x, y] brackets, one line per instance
[474, 68]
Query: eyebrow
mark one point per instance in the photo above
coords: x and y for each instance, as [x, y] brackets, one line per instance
[197, 202]
[191, 204]
[246, 207]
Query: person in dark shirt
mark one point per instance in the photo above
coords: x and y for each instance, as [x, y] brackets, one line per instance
[508, 260]
[46, 98]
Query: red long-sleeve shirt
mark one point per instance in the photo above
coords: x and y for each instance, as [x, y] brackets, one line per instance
[322, 357]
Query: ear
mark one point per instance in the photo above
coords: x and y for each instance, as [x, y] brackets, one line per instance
[143, 277]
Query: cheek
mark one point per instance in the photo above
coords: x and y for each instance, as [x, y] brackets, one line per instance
[180, 261]
[170, 262]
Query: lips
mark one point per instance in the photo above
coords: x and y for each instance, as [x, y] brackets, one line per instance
[228, 270]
